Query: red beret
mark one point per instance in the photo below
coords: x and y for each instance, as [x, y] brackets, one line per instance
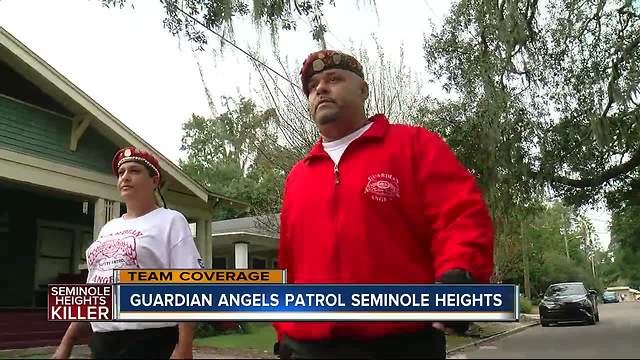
[132, 154]
[322, 60]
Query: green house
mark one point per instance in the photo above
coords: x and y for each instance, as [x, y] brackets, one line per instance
[56, 186]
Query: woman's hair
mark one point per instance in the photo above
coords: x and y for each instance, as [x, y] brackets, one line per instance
[150, 171]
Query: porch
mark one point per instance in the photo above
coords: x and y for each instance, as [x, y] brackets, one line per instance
[43, 237]
[246, 243]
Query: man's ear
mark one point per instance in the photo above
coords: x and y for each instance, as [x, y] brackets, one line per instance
[156, 181]
[365, 90]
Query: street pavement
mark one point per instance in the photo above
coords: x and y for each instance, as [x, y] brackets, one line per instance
[617, 335]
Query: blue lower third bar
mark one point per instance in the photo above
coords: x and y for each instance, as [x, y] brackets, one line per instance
[292, 302]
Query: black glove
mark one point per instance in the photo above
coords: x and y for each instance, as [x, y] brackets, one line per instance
[456, 276]
[281, 350]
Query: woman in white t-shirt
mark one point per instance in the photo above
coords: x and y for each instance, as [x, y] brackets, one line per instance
[147, 236]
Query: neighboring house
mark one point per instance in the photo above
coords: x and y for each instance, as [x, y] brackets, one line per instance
[246, 243]
[56, 185]
[625, 293]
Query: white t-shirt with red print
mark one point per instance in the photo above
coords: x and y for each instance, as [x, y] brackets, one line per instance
[157, 240]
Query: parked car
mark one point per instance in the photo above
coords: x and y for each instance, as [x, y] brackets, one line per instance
[569, 302]
[609, 297]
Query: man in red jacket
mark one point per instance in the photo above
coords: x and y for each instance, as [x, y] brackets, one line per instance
[374, 202]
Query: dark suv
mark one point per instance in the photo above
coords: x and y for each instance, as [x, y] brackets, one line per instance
[569, 302]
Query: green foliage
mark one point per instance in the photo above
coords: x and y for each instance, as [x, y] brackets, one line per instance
[224, 155]
[559, 244]
[274, 15]
[561, 269]
[262, 337]
[625, 247]
[208, 329]
[525, 305]
[246, 327]
[537, 100]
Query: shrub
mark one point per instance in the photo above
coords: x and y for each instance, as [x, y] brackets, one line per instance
[245, 328]
[525, 305]
[205, 330]
[213, 328]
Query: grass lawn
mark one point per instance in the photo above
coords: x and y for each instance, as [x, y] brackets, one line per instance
[259, 341]
[455, 341]
[261, 337]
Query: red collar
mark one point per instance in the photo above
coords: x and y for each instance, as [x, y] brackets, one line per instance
[377, 131]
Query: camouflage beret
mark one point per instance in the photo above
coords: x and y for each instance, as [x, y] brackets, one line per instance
[322, 60]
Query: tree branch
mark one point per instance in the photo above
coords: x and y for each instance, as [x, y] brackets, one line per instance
[615, 72]
[594, 181]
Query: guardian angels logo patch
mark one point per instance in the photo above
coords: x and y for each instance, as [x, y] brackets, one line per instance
[383, 187]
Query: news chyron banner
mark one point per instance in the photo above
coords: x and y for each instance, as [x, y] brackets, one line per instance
[264, 295]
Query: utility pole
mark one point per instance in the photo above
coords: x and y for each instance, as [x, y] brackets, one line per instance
[525, 261]
[564, 235]
[589, 244]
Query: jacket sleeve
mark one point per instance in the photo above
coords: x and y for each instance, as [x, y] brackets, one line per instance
[462, 234]
[285, 260]
[284, 248]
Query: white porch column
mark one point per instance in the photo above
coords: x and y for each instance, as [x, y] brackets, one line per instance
[99, 217]
[207, 257]
[241, 254]
[116, 209]
[201, 237]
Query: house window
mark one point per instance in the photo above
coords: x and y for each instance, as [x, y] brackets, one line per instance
[4, 222]
[258, 263]
[220, 262]
[87, 239]
[55, 254]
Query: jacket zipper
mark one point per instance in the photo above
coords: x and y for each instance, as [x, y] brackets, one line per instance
[336, 244]
[336, 175]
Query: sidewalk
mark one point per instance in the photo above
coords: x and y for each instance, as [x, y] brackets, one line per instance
[495, 332]
[83, 352]
[79, 352]
[477, 334]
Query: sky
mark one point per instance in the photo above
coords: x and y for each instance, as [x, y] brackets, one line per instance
[126, 61]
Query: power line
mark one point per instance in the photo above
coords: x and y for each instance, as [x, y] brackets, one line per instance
[431, 9]
[345, 47]
[328, 31]
[237, 47]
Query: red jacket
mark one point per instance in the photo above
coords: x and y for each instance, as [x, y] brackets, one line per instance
[398, 208]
